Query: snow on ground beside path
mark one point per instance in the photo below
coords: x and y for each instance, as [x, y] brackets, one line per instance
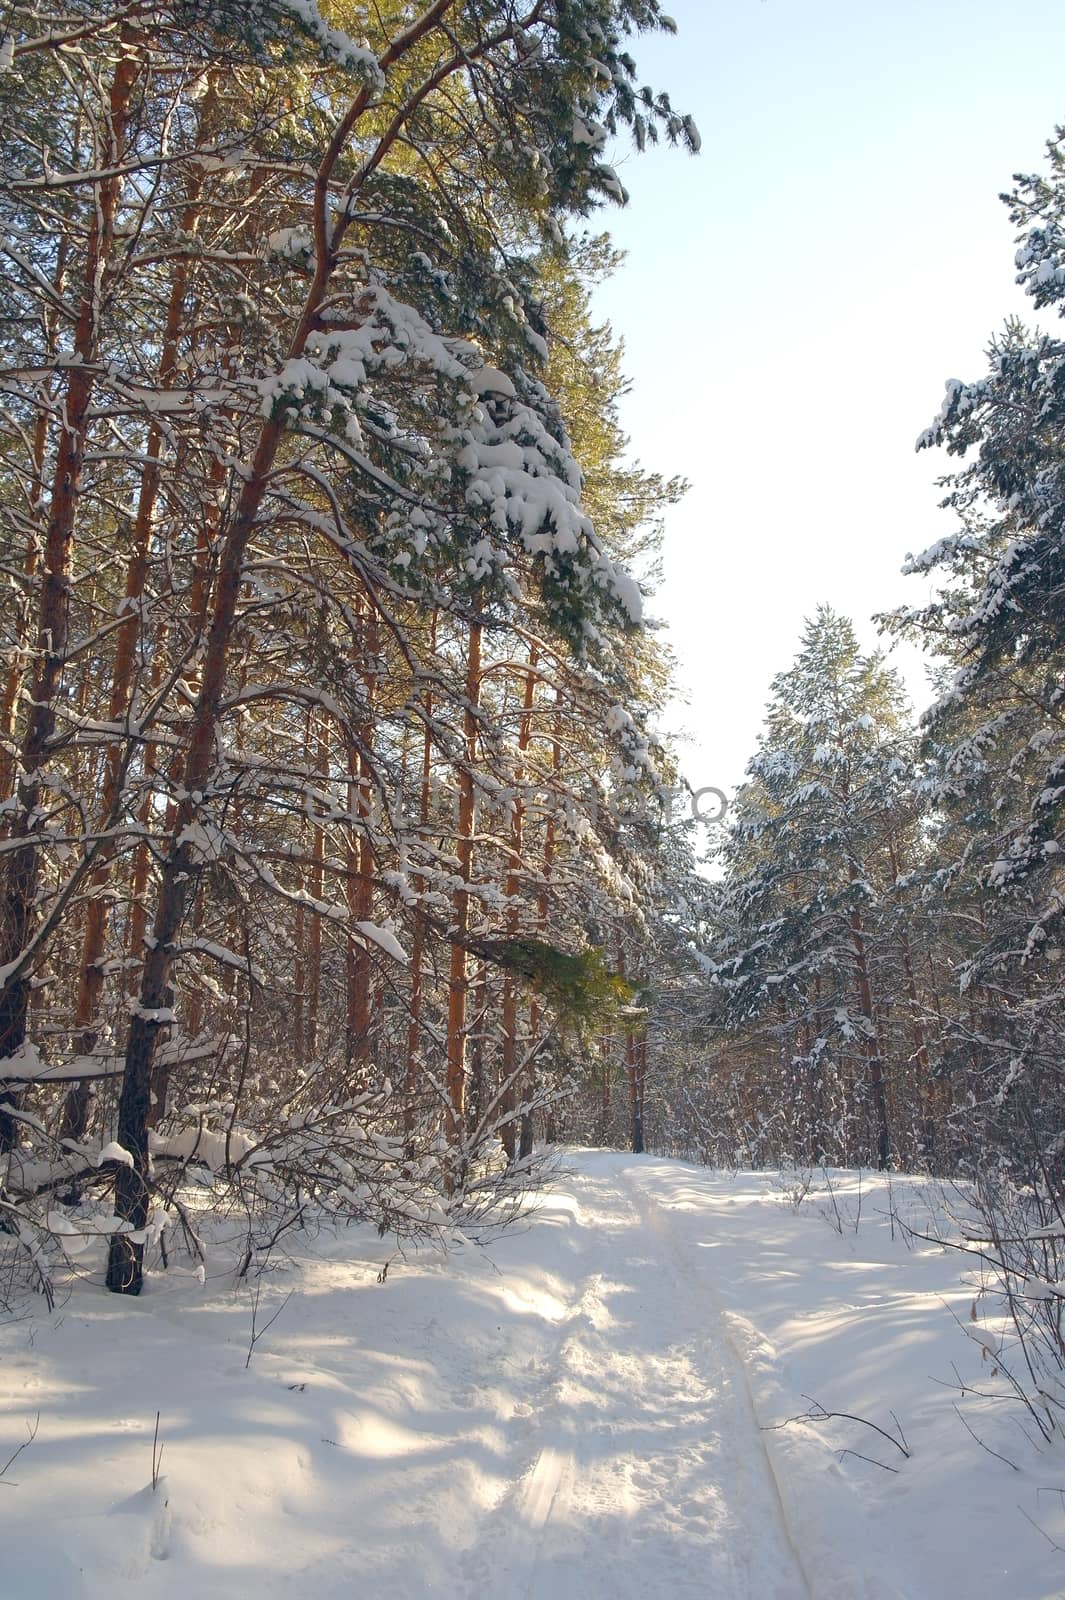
[583, 1409]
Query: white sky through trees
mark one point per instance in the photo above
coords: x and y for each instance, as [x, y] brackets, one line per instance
[793, 301]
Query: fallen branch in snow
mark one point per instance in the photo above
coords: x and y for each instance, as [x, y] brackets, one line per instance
[818, 1413]
[32, 1434]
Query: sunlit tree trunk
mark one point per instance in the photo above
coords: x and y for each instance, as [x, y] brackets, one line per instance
[361, 864]
[91, 974]
[314, 941]
[525, 1145]
[460, 916]
[417, 954]
[16, 672]
[508, 1131]
[22, 874]
[299, 1044]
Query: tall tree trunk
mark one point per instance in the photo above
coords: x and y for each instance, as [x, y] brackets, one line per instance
[16, 672]
[632, 1073]
[874, 1057]
[507, 1131]
[299, 1045]
[22, 867]
[460, 920]
[606, 1065]
[920, 1044]
[639, 1082]
[314, 942]
[525, 1143]
[361, 865]
[478, 1091]
[178, 877]
[417, 954]
[91, 974]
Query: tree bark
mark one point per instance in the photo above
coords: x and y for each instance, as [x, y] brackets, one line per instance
[17, 670]
[457, 980]
[874, 1057]
[90, 975]
[507, 1131]
[22, 874]
[417, 954]
[361, 864]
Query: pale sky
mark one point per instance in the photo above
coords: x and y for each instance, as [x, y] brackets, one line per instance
[795, 298]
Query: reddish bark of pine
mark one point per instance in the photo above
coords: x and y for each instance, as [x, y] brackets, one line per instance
[22, 865]
[91, 975]
[16, 672]
[417, 953]
[361, 867]
[508, 1099]
[525, 1143]
[457, 981]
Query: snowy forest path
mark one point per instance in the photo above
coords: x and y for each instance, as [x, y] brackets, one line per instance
[567, 1409]
[651, 1475]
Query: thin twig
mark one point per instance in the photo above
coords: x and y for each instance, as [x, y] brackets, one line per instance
[871, 1459]
[981, 1442]
[819, 1414]
[1043, 1531]
[257, 1333]
[32, 1434]
[157, 1455]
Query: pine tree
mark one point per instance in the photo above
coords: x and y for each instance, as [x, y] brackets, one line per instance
[806, 951]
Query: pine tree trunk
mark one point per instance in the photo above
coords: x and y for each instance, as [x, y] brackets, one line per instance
[417, 953]
[874, 1058]
[477, 1096]
[638, 1124]
[179, 874]
[361, 865]
[635, 1112]
[299, 1047]
[314, 941]
[525, 1141]
[17, 670]
[507, 1131]
[920, 1044]
[460, 921]
[90, 975]
[22, 867]
[606, 1051]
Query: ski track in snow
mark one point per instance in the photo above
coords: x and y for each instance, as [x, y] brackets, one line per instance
[651, 1476]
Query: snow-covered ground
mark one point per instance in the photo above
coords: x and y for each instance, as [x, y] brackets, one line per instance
[585, 1408]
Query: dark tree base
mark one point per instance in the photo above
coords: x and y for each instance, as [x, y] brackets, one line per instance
[125, 1266]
